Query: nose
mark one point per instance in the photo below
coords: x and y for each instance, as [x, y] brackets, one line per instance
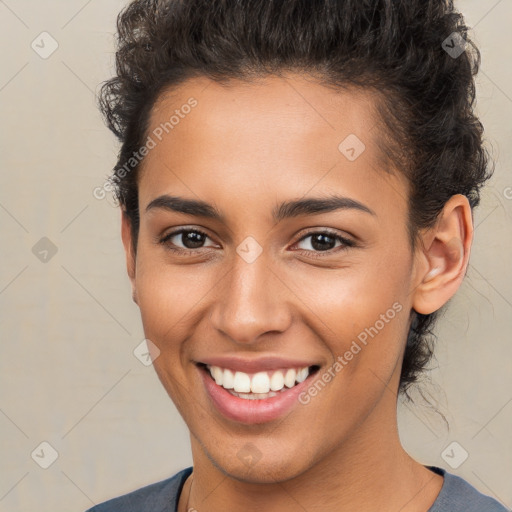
[251, 301]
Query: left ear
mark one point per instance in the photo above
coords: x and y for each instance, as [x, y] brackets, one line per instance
[444, 256]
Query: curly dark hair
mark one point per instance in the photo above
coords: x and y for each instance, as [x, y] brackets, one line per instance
[397, 48]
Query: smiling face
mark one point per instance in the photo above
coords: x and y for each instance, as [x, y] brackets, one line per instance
[295, 250]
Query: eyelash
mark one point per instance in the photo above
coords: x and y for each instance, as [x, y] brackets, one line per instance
[346, 243]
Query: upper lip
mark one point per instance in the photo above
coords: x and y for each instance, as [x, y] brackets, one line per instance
[254, 365]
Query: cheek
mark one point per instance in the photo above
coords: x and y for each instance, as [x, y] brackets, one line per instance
[361, 311]
[170, 296]
[363, 325]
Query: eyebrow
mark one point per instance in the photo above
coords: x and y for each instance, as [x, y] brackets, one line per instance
[285, 210]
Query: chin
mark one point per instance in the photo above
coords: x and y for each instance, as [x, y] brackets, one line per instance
[263, 473]
[250, 465]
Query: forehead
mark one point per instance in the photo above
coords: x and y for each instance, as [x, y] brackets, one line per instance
[286, 105]
[275, 135]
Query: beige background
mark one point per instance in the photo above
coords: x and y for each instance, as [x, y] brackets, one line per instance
[69, 327]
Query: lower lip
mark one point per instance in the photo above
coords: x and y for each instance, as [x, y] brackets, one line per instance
[251, 411]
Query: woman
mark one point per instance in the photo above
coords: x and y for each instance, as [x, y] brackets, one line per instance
[297, 182]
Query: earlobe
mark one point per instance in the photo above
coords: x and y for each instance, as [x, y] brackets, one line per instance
[446, 256]
[126, 235]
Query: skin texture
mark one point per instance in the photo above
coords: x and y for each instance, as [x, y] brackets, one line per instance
[245, 148]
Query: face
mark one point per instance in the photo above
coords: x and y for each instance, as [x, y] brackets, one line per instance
[272, 240]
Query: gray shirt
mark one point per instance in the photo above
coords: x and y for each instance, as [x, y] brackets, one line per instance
[456, 495]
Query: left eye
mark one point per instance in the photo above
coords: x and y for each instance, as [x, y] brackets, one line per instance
[324, 241]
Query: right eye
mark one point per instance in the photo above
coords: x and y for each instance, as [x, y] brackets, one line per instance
[190, 239]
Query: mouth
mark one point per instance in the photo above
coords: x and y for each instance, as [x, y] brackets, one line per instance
[255, 397]
[259, 385]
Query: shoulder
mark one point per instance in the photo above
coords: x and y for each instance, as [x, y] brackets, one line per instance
[457, 495]
[159, 497]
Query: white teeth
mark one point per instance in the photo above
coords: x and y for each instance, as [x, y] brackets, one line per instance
[228, 379]
[242, 382]
[217, 375]
[259, 385]
[289, 378]
[277, 381]
[302, 374]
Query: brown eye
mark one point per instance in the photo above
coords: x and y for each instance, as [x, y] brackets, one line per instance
[185, 239]
[324, 242]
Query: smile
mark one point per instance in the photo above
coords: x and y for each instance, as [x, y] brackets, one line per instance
[259, 385]
[254, 396]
